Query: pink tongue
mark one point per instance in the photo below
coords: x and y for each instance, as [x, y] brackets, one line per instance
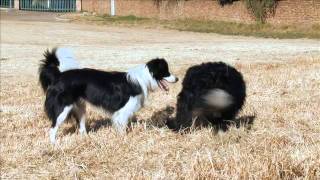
[163, 85]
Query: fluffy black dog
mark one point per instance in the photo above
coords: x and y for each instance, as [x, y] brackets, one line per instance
[213, 93]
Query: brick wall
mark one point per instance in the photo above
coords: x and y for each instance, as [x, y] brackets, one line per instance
[140, 8]
[206, 10]
[287, 12]
[297, 12]
[98, 6]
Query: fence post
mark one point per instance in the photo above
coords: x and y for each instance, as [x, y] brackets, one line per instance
[16, 4]
[78, 5]
[113, 8]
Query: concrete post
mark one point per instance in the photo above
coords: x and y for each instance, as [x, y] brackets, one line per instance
[16, 4]
[78, 5]
[113, 7]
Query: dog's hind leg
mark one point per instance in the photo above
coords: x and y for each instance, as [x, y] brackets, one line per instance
[62, 117]
[79, 111]
[184, 118]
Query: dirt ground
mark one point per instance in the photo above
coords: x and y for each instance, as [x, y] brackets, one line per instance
[108, 47]
[283, 82]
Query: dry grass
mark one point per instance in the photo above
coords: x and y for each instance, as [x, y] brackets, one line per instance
[220, 27]
[282, 143]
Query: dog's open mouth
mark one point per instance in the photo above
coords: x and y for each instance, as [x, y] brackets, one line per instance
[163, 85]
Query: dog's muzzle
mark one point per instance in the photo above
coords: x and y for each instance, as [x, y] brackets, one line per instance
[163, 82]
[171, 79]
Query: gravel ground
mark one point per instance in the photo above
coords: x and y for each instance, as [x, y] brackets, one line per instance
[25, 35]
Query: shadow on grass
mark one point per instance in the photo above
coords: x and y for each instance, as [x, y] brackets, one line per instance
[163, 118]
[94, 126]
[98, 124]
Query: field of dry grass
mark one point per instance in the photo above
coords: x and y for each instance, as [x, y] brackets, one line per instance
[283, 82]
[283, 141]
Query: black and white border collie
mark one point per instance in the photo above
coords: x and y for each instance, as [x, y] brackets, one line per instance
[121, 93]
[212, 92]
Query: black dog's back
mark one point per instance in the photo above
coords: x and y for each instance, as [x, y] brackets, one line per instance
[212, 92]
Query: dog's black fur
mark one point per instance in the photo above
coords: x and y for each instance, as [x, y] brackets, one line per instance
[197, 84]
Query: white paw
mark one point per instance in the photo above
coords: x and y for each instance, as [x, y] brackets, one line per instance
[52, 135]
[83, 131]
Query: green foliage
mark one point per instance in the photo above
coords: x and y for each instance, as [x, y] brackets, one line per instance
[261, 8]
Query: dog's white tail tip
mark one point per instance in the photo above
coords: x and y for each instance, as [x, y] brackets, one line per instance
[66, 59]
[218, 98]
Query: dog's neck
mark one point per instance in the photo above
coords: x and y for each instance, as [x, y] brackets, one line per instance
[141, 76]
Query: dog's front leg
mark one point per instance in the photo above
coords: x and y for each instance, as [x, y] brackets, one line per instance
[121, 117]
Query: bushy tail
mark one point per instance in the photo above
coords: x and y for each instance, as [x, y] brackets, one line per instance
[48, 70]
[218, 98]
[55, 62]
